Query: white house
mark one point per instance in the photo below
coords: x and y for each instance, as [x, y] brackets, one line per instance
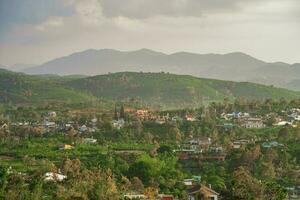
[118, 124]
[51, 176]
[90, 140]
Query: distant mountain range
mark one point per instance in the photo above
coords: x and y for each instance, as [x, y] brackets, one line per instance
[233, 66]
[153, 89]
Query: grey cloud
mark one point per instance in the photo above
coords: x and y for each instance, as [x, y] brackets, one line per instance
[149, 8]
[19, 12]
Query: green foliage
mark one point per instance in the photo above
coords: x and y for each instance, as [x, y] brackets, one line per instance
[21, 88]
[173, 91]
[274, 191]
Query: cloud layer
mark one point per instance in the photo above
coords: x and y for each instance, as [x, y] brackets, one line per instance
[34, 31]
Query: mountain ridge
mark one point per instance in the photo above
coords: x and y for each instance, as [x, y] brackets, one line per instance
[235, 66]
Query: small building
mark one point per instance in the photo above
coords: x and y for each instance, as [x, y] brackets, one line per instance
[253, 123]
[65, 147]
[118, 124]
[50, 176]
[68, 126]
[52, 114]
[142, 114]
[216, 149]
[176, 119]
[49, 124]
[144, 197]
[189, 182]
[90, 140]
[83, 129]
[200, 141]
[201, 191]
[228, 126]
[284, 123]
[94, 120]
[271, 144]
[190, 118]
[237, 144]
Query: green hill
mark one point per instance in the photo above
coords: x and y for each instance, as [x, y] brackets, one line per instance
[21, 88]
[153, 89]
[173, 90]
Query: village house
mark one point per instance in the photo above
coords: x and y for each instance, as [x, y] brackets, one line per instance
[216, 149]
[190, 118]
[51, 176]
[52, 114]
[228, 126]
[68, 126]
[65, 147]
[176, 119]
[185, 154]
[89, 140]
[271, 144]
[199, 143]
[284, 123]
[200, 192]
[237, 144]
[49, 124]
[293, 192]
[118, 124]
[294, 114]
[195, 180]
[83, 129]
[94, 122]
[142, 114]
[234, 115]
[144, 197]
[253, 123]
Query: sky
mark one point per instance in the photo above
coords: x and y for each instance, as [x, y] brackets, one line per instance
[36, 31]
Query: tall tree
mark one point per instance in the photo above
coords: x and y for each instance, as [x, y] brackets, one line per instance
[116, 117]
[122, 112]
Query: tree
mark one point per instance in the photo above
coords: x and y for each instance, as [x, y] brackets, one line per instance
[270, 121]
[268, 170]
[116, 117]
[137, 185]
[145, 168]
[283, 133]
[150, 193]
[3, 180]
[125, 184]
[71, 167]
[244, 186]
[122, 112]
[274, 191]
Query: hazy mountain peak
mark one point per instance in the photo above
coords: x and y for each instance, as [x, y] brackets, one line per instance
[241, 55]
[235, 66]
[146, 51]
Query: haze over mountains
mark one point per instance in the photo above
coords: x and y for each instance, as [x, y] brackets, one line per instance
[233, 66]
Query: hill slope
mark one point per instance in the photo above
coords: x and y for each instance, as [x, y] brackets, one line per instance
[173, 90]
[153, 89]
[21, 88]
[233, 66]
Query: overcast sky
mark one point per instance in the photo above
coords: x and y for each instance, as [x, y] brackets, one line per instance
[35, 31]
